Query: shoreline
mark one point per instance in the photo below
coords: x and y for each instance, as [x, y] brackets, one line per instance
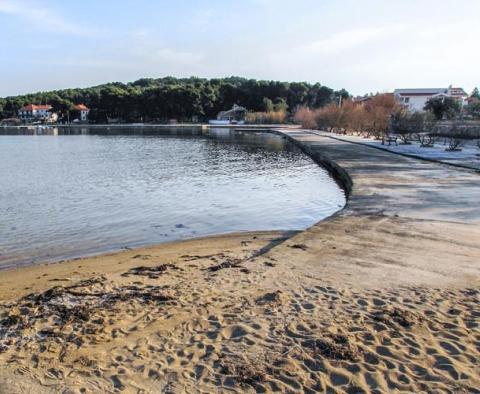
[367, 299]
[117, 251]
[18, 259]
[160, 125]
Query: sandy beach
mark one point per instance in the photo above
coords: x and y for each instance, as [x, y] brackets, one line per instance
[381, 297]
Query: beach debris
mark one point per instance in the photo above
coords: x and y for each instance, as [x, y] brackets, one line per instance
[12, 320]
[233, 263]
[332, 346]
[70, 314]
[188, 257]
[270, 298]
[244, 372]
[399, 316]
[141, 256]
[299, 246]
[269, 264]
[151, 272]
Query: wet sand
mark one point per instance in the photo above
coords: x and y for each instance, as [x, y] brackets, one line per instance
[381, 297]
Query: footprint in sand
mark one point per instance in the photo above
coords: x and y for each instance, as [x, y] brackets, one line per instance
[117, 383]
[236, 331]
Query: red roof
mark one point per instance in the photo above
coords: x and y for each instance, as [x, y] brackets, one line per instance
[418, 94]
[34, 107]
[81, 107]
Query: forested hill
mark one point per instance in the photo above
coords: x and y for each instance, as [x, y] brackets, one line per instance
[168, 98]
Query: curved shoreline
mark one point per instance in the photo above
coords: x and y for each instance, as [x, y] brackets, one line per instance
[315, 152]
[255, 218]
[337, 172]
[389, 286]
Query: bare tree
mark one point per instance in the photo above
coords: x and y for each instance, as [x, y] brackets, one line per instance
[454, 141]
[370, 118]
[400, 124]
[426, 140]
[427, 132]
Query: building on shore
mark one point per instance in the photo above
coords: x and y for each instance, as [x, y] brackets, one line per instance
[416, 99]
[236, 115]
[83, 112]
[362, 100]
[36, 113]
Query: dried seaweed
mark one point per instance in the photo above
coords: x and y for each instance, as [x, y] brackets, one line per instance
[332, 346]
[244, 373]
[151, 272]
[234, 263]
[401, 317]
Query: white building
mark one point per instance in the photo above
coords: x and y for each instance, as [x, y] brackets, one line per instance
[32, 112]
[415, 99]
[236, 115]
[83, 110]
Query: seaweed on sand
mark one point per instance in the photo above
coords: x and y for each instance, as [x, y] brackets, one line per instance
[401, 317]
[242, 372]
[234, 263]
[151, 272]
[81, 307]
[332, 346]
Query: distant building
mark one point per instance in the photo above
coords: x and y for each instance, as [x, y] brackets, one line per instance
[472, 99]
[415, 99]
[83, 110]
[32, 112]
[361, 100]
[235, 115]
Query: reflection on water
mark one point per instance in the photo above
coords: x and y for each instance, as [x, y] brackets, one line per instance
[80, 191]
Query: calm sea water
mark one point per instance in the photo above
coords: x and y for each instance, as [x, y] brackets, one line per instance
[65, 196]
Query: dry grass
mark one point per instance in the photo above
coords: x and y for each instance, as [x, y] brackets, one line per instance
[273, 117]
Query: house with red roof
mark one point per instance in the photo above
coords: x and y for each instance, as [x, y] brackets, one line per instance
[415, 99]
[83, 110]
[33, 112]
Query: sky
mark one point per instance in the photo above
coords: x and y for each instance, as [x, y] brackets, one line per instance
[360, 45]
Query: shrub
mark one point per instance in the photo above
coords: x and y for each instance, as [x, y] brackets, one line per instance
[369, 118]
[305, 117]
[415, 125]
[272, 117]
[442, 107]
[473, 108]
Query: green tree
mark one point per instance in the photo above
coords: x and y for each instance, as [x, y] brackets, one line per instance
[473, 108]
[62, 107]
[475, 94]
[150, 99]
[267, 105]
[319, 96]
[442, 107]
[3, 102]
[280, 105]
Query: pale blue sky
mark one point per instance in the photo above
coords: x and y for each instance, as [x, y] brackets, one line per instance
[361, 45]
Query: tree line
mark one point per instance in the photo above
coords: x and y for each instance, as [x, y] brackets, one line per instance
[158, 100]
